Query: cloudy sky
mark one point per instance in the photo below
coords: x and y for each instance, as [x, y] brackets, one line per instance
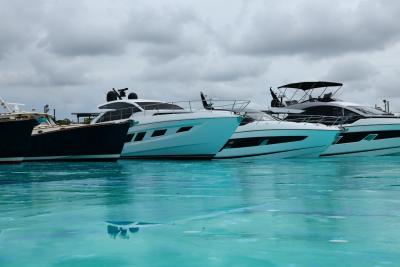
[69, 53]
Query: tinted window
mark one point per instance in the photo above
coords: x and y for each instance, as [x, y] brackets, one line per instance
[118, 114]
[157, 106]
[117, 105]
[140, 136]
[129, 138]
[158, 133]
[184, 129]
[329, 111]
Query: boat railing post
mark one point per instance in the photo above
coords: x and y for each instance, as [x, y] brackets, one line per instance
[190, 106]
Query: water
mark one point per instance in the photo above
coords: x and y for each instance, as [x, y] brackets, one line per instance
[322, 212]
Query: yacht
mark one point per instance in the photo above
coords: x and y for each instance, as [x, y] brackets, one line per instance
[15, 135]
[76, 142]
[367, 131]
[45, 140]
[167, 130]
[261, 135]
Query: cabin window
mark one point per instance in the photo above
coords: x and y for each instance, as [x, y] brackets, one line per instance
[158, 106]
[140, 136]
[158, 133]
[329, 111]
[129, 137]
[184, 129]
[118, 114]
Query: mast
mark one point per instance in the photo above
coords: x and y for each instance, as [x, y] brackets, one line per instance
[5, 105]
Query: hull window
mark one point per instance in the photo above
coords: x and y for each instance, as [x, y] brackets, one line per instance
[184, 129]
[258, 141]
[158, 133]
[140, 136]
[129, 138]
[369, 136]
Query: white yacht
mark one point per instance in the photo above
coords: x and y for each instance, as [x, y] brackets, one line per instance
[367, 131]
[261, 135]
[166, 130]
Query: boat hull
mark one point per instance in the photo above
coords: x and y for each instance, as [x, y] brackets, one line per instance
[15, 136]
[99, 142]
[368, 137]
[275, 139]
[191, 138]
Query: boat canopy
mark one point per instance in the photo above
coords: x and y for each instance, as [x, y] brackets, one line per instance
[310, 85]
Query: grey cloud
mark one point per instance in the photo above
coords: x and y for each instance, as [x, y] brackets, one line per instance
[213, 68]
[351, 71]
[19, 25]
[319, 29]
[168, 33]
[72, 30]
[44, 70]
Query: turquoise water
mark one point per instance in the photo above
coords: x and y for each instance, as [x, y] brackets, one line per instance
[320, 212]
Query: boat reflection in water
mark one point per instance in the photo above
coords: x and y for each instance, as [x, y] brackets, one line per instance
[122, 229]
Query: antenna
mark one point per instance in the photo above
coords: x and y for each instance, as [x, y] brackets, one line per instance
[206, 105]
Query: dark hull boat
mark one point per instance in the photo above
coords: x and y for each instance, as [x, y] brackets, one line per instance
[15, 138]
[101, 142]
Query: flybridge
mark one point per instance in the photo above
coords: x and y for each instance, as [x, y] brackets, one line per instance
[281, 100]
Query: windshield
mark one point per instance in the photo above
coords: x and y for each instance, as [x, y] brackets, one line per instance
[369, 110]
[158, 106]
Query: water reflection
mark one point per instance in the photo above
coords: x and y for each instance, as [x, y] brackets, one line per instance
[123, 229]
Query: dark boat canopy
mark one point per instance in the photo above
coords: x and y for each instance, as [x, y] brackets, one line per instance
[310, 85]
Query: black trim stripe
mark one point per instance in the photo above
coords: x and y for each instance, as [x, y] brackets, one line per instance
[268, 153]
[358, 151]
[257, 141]
[352, 137]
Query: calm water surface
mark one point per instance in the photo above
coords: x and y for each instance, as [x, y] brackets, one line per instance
[223, 213]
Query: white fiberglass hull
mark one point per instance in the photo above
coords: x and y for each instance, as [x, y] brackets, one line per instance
[278, 139]
[368, 137]
[188, 136]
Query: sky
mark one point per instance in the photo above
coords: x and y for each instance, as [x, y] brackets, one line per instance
[68, 54]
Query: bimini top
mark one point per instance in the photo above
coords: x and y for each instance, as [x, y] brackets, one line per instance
[310, 85]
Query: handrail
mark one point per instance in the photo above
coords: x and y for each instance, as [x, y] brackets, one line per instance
[327, 120]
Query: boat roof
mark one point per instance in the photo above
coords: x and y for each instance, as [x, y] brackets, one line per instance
[131, 101]
[310, 85]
